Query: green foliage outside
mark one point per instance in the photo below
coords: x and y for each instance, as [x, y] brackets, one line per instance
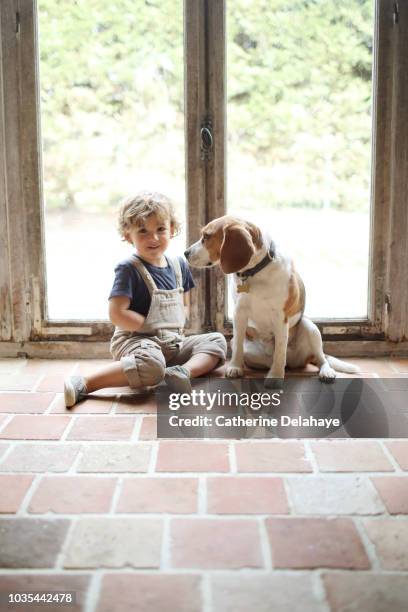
[298, 89]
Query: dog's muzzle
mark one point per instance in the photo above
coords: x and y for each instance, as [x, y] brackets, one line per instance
[197, 256]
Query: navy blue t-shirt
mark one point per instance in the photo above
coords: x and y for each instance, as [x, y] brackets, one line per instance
[128, 282]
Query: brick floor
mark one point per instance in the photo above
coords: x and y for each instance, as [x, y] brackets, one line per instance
[29, 457]
[73, 495]
[399, 450]
[25, 403]
[13, 488]
[390, 537]
[42, 427]
[366, 592]
[249, 495]
[92, 502]
[55, 583]
[115, 542]
[264, 593]
[350, 456]
[272, 456]
[306, 543]
[124, 457]
[150, 593]
[215, 544]
[200, 456]
[393, 491]
[102, 428]
[173, 495]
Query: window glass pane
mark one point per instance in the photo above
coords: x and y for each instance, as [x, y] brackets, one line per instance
[299, 91]
[111, 86]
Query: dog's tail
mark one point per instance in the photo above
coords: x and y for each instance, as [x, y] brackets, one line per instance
[342, 366]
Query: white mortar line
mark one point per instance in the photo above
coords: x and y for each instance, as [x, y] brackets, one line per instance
[60, 558]
[309, 454]
[153, 459]
[94, 591]
[23, 510]
[319, 591]
[390, 457]
[165, 556]
[206, 593]
[116, 495]
[48, 410]
[202, 495]
[266, 550]
[232, 458]
[367, 543]
[136, 428]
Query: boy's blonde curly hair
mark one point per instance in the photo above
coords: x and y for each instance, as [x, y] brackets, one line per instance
[134, 210]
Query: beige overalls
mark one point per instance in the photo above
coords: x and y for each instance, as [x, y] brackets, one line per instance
[160, 341]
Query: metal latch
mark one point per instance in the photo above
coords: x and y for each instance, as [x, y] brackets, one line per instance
[206, 139]
[395, 13]
[388, 302]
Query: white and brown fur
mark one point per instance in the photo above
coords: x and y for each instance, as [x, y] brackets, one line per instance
[270, 330]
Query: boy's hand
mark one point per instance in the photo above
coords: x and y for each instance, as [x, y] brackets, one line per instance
[121, 316]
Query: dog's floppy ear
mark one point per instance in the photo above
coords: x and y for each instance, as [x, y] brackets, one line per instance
[237, 248]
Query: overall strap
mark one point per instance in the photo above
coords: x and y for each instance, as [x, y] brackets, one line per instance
[144, 273]
[175, 263]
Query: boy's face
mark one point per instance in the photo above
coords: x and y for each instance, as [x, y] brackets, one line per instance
[151, 238]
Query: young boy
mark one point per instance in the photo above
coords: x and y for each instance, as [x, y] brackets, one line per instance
[148, 306]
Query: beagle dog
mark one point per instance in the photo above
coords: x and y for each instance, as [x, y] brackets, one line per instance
[270, 330]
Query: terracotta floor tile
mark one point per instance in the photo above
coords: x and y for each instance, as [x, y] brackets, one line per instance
[88, 406]
[192, 456]
[42, 457]
[272, 456]
[102, 428]
[115, 458]
[115, 542]
[350, 456]
[307, 543]
[47, 367]
[27, 542]
[46, 583]
[334, 495]
[380, 366]
[172, 495]
[390, 537]
[73, 495]
[215, 544]
[399, 450]
[150, 593]
[42, 427]
[246, 495]
[25, 403]
[20, 382]
[13, 490]
[266, 592]
[142, 403]
[366, 592]
[148, 430]
[393, 491]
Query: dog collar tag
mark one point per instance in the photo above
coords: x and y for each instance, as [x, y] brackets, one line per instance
[243, 287]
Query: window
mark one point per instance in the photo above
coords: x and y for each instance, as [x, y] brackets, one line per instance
[112, 122]
[216, 103]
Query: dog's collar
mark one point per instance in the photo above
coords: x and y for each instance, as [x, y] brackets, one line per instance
[270, 256]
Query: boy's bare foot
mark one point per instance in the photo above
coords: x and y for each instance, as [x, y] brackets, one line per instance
[177, 378]
[74, 390]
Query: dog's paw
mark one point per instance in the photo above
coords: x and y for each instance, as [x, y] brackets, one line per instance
[234, 372]
[273, 383]
[327, 374]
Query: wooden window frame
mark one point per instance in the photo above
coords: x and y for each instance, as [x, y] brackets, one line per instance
[24, 328]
